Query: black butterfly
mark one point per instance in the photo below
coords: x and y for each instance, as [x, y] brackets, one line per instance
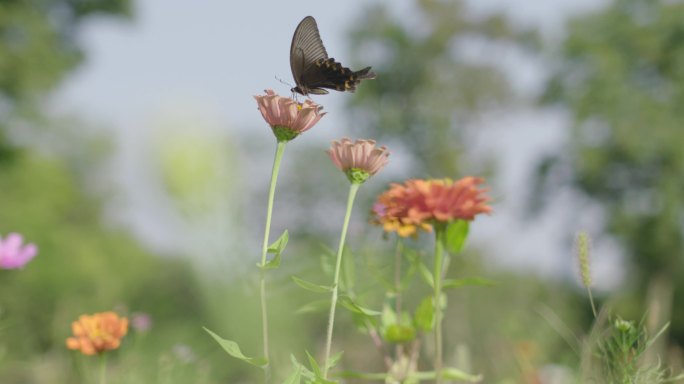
[313, 70]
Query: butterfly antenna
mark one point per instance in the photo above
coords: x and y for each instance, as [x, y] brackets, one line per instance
[283, 81]
[294, 94]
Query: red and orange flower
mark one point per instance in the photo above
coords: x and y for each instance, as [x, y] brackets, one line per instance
[419, 204]
[97, 333]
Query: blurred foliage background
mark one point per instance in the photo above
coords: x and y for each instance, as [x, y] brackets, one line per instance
[618, 73]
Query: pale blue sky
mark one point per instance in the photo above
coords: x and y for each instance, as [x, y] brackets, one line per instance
[216, 51]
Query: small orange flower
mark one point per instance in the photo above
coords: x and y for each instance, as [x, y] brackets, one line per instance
[418, 204]
[97, 333]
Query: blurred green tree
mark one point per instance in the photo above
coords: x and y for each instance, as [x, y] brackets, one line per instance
[435, 74]
[621, 76]
[38, 47]
[82, 266]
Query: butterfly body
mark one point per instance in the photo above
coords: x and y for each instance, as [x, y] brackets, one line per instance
[313, 70]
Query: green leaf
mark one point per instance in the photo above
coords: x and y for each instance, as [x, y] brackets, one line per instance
[296, 376]
[479, 281]
[362, 375]
[397, 333]
[305, 372]
[447, 373]
[277, 249]
[456, 235]
[348, 303]
[426, 274]
[364, 323]
[314, 306]
[309, 286]
[334, 359]
[314, 365]
[279, 245]
[457, 374]
[389, 317]
[234, 350]
[271, 264]
[425, 315]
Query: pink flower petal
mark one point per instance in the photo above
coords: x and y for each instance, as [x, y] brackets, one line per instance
[285, 112]
[12, 254]
[361, 154]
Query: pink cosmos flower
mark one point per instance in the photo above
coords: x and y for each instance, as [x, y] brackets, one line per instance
[12, 254]
[287, 117]
[359, 159]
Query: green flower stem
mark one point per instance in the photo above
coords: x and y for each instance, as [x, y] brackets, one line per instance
[438, 277]
[103, 368]
[280, 149]
[398, 253]
[397, 275]
[591, 300]
[333, 301]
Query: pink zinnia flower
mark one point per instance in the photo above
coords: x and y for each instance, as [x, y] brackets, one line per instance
[359, 160]
[287, 117]
[12, 254]
[419, 204]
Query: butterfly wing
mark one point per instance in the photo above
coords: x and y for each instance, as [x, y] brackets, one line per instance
[333, 75]
[306, 49]
[313, 70]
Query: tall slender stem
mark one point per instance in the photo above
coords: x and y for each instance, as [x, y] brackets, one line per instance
[333, 301]
[103, 368]
[280, 149]
[438, 275]
[397, 277]
[591, 300]
[399, 349]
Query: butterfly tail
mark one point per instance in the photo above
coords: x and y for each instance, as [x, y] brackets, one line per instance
[332, 75]
[365, 73]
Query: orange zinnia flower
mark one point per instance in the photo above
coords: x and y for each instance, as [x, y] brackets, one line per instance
[97, 333]
[418, 204]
